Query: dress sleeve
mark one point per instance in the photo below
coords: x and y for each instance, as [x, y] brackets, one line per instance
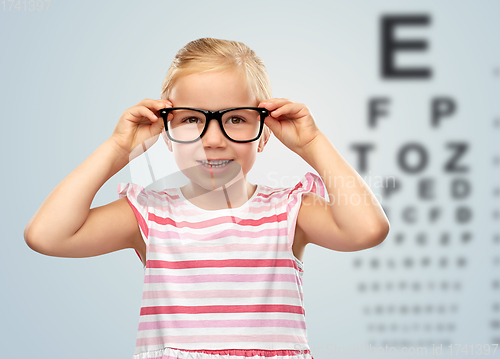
[310, 182]
[137, 197]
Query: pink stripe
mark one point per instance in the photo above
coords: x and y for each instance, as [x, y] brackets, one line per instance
[279, 194]
[164, 194]
[167, 357]
[204, 309]
[164, 221]
[234, 247]
[195, 294]
[230, 323]
[172, 196]
[269, 338]
[223, 263]
[209, 278]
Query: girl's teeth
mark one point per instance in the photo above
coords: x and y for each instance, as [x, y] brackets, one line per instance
[215, 164]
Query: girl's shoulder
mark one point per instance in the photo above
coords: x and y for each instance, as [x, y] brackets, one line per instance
[146, 199]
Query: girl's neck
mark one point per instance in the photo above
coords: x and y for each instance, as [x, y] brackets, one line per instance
[234, 196]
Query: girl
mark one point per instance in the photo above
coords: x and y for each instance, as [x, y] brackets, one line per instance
[222, 257]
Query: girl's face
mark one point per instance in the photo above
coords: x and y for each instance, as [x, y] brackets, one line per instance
[214, 91]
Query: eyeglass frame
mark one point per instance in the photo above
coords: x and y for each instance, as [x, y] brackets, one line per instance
[214, 115]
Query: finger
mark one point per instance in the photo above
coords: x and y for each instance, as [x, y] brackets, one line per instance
[287, 109]
[145, 102]
[274, 103]
[163, 103]
[155, 105]
[142, 111]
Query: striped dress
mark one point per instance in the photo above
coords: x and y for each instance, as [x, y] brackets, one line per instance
[221, 282]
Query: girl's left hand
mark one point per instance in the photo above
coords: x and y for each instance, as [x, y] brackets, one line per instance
[292, 123]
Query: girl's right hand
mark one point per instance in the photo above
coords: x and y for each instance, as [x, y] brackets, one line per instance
[138, 124]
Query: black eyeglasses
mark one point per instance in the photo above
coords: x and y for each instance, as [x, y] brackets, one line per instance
[247, 128]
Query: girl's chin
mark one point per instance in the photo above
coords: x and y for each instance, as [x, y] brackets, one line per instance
[207, 177]
[209, 180]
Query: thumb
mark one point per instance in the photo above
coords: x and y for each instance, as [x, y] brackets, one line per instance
[157, 126]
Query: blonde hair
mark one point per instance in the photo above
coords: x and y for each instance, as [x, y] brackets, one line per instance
[209, 54]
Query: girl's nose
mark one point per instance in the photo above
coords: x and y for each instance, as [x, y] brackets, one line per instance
[213, 133]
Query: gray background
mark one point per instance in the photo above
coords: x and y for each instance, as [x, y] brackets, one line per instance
[68, 73]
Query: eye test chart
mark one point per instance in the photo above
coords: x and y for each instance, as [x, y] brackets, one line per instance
[427, 142]
[407, 92]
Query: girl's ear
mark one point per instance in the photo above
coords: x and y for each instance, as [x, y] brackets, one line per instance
[266, 135]
[167, 140]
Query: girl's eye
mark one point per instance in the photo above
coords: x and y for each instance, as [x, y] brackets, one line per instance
[237, 119]
[190, 118]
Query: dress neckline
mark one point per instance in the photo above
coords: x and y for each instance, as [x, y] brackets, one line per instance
[223, 210]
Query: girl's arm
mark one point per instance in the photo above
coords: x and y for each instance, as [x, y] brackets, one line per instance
[67, 207]
[359, 221]
[64, 213]
[353, 219]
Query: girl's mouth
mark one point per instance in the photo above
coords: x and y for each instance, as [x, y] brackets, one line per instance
[215, 164]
